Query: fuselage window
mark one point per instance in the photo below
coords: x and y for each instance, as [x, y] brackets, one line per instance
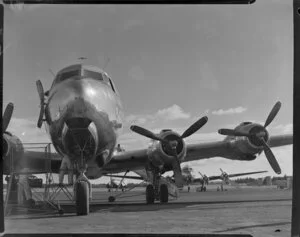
[94, 75]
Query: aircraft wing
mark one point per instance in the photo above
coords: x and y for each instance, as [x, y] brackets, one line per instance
[37, 163]
[225, 148]
[242, 174]
[207, 150]
[126, 177]
[137, 159]
[128, 160]
[280, 140]
[234, 175]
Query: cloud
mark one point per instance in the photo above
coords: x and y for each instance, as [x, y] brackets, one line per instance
[236, 110]
[171, 113]
[27, 131]
[136, 73]
[207, 78]
[283, 128]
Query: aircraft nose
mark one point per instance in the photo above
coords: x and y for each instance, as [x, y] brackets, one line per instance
[75, 97]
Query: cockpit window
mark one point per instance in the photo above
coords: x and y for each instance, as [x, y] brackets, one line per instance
[245, 123]
[66, 75]
[92, 74]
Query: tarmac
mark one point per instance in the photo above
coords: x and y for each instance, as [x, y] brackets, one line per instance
[258, 211]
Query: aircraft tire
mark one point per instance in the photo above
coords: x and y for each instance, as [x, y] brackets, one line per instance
[150, 194]
[111, 198]
[82, 198]
[164, 193]
[204, 189]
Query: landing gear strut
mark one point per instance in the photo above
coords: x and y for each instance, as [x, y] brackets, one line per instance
[82, 191]
[156, 191]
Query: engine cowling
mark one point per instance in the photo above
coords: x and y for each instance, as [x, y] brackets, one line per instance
[161, 156]
[249, 146]
[12, 152]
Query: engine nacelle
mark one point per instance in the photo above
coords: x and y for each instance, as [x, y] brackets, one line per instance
[161, 156]
[12, 152]
[246, 148]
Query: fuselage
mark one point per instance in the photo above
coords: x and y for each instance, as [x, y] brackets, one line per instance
[84, 114]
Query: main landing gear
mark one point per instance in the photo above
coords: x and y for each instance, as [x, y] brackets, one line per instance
[157, 191]
[203, 189]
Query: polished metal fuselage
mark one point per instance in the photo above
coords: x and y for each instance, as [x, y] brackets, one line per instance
[72, 103]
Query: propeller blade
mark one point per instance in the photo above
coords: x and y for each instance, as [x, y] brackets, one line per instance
[273, 113]
[195, 127]
[7, 116]
[201, 174]
[232, 132]
[271, 158]
[179, 181]
[145, 132]
[40, 90]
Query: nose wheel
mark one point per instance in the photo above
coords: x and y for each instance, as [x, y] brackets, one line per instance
[82, 191]
[82, 198]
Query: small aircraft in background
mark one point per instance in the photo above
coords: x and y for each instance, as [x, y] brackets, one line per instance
[113, 185]
[204, 180]
[224, 177]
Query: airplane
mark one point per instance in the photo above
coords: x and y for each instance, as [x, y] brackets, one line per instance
[187, 173]
[113, 185]
[224, 177]
[83, 114]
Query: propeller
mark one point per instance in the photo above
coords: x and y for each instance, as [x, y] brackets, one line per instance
[204, 178]
[7, 116]
[260, 137]
[225, 176]
[40, 90]
[171, 145]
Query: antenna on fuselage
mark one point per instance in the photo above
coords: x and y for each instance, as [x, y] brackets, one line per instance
[82, 58]
[50, 70]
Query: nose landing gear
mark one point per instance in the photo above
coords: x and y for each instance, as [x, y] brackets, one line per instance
[82, 191]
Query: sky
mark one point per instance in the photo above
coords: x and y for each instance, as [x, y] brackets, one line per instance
[172, 64]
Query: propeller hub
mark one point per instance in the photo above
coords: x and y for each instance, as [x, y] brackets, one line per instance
[174, 143]
[258, 133]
